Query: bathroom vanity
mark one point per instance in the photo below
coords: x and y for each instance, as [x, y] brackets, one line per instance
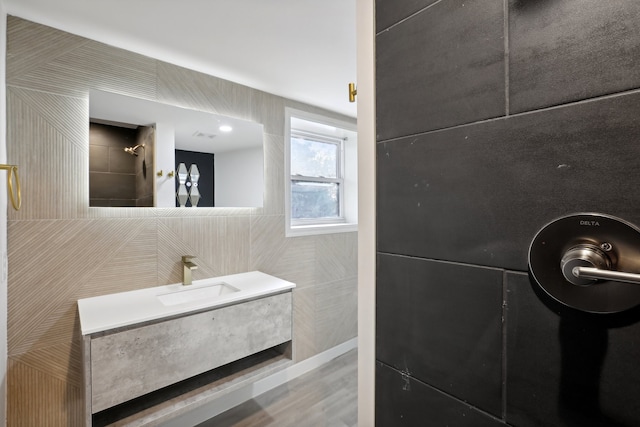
[145, 341]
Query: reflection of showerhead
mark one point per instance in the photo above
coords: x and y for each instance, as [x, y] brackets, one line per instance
[132, 150]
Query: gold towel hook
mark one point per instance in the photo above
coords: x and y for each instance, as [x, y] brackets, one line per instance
[352, 92]
[16, 196]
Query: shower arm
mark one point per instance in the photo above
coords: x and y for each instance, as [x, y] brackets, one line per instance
[132, 150]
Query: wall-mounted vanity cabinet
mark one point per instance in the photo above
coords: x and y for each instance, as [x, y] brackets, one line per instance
[124, 363]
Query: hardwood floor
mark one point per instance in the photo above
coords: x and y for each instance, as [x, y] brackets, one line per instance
[324, 397]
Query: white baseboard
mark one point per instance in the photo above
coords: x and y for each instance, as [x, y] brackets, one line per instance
[261, 386]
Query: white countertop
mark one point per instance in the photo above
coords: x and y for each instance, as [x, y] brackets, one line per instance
[111, 311]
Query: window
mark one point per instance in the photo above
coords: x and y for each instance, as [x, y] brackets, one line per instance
[316, 178]
[321, 186]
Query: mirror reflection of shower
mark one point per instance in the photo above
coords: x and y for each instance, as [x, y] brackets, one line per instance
[120, 164]
[132, 150]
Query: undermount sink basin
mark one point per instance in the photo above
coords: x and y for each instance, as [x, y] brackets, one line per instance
[195, 294]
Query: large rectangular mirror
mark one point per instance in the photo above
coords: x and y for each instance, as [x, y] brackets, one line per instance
[145, 153]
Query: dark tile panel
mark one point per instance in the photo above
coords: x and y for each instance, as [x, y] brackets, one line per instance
[441, 323]
[144, 184]
[389, 12]
[113, 203]
[566, 368]
[103, 203]
[144, 166]
[98, 158]
[479, 193]
[121, 162]
[111, 136]
[145, 176]
[440, 68]
[403, 401]
[146, 201]
[562, 51]
[120, 203]
[111, 186]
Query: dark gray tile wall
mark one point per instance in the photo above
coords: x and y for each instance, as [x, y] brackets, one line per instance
[402, 401]
[493, 118]
[479, 193]
[568, 368]
[107, 186]
[564, 51]
[441, 67]
[458, 347]
[144, 166]
[389, 13]
[116, 178]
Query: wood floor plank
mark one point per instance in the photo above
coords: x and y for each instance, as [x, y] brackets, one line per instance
[324, 397]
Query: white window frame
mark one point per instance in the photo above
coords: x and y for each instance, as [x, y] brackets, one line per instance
[347, 170]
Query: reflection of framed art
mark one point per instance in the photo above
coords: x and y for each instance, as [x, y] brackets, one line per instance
[197, 171]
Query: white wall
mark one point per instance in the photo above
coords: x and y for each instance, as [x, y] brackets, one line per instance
[235, 174]
[165, 158]
[3, 221]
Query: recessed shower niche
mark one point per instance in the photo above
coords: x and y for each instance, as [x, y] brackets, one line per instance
[128, 170]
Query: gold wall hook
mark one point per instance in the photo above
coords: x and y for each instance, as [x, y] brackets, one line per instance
[16, 196]
[352, 92]
[169, 174]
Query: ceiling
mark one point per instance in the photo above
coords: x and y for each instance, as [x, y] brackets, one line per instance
[300, 49]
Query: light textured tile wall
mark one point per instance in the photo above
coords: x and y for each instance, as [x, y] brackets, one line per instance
[60, 250]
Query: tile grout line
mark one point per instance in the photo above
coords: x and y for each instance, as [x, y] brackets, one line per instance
[408, 17]
[444, 261]
[443, 393]
[598, 98]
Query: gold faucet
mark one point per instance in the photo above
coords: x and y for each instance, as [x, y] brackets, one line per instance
[187, 267]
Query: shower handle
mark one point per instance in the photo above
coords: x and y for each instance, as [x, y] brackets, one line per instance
[583, 264]
[585, 260]
[597, 273]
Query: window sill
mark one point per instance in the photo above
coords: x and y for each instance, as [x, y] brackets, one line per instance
[310, 230]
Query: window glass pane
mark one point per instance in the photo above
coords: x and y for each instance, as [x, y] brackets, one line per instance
[314, 200]
[314, 158]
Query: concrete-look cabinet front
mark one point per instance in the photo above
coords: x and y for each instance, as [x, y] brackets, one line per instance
[127, 363]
